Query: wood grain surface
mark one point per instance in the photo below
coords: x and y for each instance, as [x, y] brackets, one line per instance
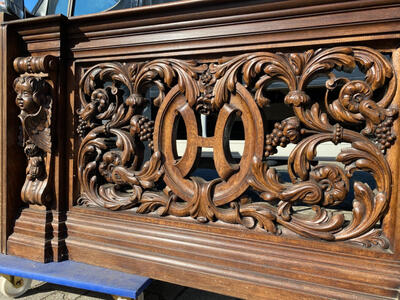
[104, 98]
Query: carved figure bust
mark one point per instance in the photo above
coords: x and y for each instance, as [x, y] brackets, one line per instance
[35, 101]
[31, 93]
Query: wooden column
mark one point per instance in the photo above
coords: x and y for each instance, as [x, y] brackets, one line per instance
[11, 155]
[39, 231]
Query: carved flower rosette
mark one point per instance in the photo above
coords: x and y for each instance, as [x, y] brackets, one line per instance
[115, 134]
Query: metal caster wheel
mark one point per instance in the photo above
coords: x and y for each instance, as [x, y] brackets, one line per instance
[12, 286]
[140, 297]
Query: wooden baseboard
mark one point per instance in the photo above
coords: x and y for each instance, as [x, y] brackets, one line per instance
[227, 265]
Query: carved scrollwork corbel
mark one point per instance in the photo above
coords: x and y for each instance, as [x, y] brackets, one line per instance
[35, 100]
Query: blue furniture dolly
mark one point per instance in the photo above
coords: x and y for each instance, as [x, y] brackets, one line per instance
[18, 274]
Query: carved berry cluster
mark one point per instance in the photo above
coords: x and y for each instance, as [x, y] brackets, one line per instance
[83, 127]
[275, 139]
[285, 132]
[384, 134]
[146, 130]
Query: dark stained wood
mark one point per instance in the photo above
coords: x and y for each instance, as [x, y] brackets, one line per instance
[31, 237]
[237, 266]
[36, 103]
[150, 31]
[11, 154]
[39, 234]
[390, 223]
[35, 92]
[134, 205]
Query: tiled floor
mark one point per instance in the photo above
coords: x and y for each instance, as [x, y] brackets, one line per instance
[156, 291]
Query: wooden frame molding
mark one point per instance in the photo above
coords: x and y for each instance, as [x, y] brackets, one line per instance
[102, 100]
[218, 260]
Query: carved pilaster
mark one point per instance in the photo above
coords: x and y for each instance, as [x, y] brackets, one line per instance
[32, 235]
[39, 232]
[34, 98]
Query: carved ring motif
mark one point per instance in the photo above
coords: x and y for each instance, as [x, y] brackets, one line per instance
[115, 134]
[233, 176]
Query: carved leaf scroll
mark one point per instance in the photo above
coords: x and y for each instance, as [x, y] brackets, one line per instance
[115, 134]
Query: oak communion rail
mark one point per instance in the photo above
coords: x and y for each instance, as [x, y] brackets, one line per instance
[95, 109]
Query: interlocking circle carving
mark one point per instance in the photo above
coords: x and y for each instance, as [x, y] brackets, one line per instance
[233, 176]
[249, 192]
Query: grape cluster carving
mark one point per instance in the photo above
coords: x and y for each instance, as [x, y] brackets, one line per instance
[112, 175]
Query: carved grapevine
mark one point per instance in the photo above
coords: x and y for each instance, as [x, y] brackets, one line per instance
[115, 134]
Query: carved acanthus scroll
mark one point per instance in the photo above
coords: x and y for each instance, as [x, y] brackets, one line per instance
[115, 133]
[35, 100]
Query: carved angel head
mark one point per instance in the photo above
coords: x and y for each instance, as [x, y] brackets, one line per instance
[31, 93]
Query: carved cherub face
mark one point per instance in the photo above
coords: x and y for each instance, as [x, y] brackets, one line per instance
[27, 89]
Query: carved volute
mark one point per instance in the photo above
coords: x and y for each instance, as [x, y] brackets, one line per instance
[114, 134]
[35, 100]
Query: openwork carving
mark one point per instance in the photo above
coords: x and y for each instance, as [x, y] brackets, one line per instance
[34, 98]
[115, 133]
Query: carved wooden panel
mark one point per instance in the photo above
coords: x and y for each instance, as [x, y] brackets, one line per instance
[115, 133]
